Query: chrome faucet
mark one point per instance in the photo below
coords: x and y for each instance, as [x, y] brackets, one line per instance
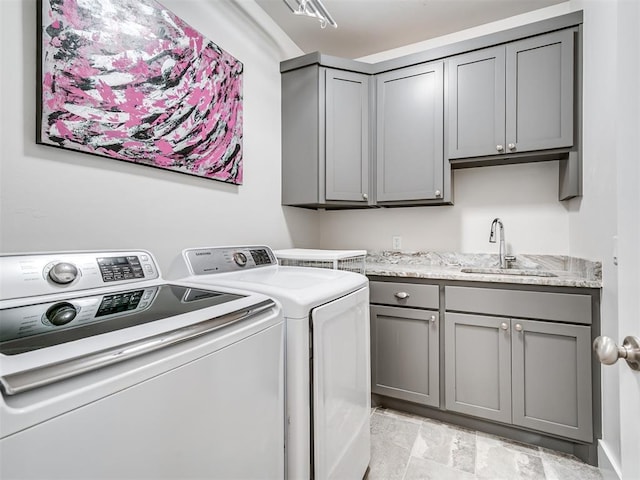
[504, 258]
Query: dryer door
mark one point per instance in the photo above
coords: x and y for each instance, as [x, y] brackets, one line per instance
[341, 387]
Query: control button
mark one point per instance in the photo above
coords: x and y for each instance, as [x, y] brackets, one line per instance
[63, 273]
[61, 313]
[148, 268]
[144, 258]
[240, 259]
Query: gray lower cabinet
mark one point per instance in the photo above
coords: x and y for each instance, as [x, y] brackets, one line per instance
[404, 354]
[534, 374]
[512, 98]
[409, 134]
[551, 378]
[478, 366]
[326, 135]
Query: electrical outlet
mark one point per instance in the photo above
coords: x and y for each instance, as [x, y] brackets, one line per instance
[396, 242]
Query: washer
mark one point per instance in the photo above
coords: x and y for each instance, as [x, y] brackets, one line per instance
[107, 371]
[328, 382]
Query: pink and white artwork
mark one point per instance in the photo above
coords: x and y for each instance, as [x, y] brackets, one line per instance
[129, 80]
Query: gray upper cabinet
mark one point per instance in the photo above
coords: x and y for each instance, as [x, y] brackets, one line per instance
[540, 92]
[513, 98]
[358, 134]
[409, 134]
[325, 137]
[476, 103]
[347, 136]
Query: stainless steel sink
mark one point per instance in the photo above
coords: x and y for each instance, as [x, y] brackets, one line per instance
[508, 271]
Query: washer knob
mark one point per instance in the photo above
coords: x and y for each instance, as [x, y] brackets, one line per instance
[61, 313]
[240, 259]
[63, 273]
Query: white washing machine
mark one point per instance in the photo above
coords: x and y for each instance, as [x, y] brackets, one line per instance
[109, 372]
[327, 360]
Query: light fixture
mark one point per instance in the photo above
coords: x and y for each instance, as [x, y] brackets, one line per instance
[312, 8]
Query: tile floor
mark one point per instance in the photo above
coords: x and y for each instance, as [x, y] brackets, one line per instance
[408, 447]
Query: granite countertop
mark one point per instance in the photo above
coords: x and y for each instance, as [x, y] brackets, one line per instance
[551, 270]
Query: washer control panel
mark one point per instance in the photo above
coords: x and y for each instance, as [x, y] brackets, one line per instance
[122, 268]
[29, 320]
[205, 261]
[41, 274]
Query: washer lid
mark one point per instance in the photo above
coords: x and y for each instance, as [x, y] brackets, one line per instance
[53, 322]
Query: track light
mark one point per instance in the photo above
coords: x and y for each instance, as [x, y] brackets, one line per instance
[311, 8]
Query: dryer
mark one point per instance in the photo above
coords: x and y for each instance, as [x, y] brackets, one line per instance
[327, 359]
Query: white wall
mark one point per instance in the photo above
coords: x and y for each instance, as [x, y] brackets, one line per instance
[55, 199]
[524, 196]
[593, 218]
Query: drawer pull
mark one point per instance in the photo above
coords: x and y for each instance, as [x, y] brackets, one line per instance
[504, 326]
[432, 319]
[401, 295]
[518, 327]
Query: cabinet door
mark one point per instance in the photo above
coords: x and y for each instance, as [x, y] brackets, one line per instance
[346, 136]
[410, 116]
[552, 378]
[477, 103]
[478, 366]
[404, 354]
[539, 92]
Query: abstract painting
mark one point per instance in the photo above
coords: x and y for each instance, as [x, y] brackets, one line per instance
[129, 80]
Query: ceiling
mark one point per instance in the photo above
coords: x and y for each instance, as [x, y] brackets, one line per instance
[366, 27]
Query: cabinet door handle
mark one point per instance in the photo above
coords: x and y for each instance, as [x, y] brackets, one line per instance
[402, 295]
[432, 319]
[518, 327]
[512, 146]
[504, 326]
[438, 193]
[365, 196]
[499, 148]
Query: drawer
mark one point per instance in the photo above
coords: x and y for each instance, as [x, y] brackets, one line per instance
[405, 294]
[561, 307]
